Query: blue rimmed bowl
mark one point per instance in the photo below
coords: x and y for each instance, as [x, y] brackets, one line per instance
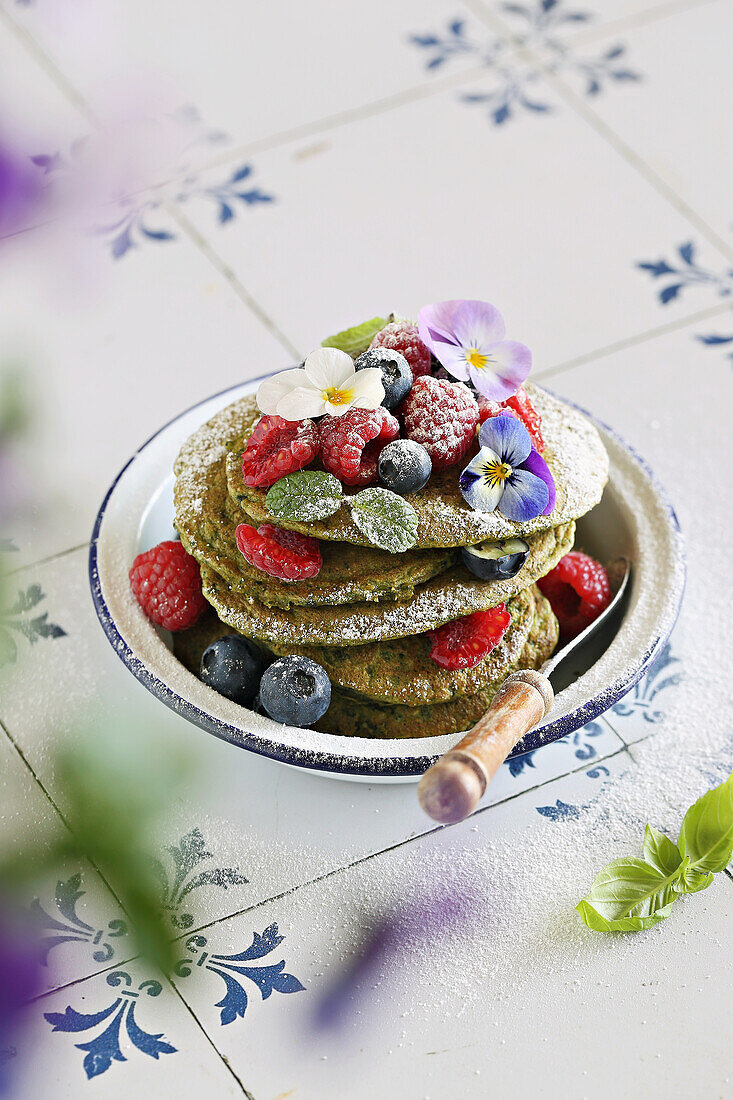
[634, 519]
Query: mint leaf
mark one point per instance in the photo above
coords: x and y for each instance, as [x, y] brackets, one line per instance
[706, 836]
[661, 852]
[307, 495]
[629, 895]
[357, 339]
[387, 520]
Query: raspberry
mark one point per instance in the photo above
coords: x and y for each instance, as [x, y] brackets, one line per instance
[403, 337]
[278, 447]
[166, 582]
[520, 407]
[578, 591]
[442, 416]
[279, 553]
[466, 641]
[351, 444]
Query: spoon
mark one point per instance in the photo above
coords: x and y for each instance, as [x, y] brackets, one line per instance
[451, 788]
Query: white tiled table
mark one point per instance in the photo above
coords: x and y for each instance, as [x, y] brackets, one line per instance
[600, 143]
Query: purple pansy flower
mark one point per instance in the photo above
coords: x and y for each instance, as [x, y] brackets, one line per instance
[508, 473]
[468, 339]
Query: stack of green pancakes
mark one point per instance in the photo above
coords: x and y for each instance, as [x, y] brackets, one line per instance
[365, 617]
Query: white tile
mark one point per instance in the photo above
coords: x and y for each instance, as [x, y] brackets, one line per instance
[505, 991]
[79, 922]
[668, 396]
[565, 21]
[679, 132]
[110, 351]
[539, 215]
[252, 70]
[148, 1042]
[640, 713]
[36, 114]
[244, 828]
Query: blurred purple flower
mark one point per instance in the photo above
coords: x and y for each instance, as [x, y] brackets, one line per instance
[388, 942]
[19, 977]
[22, 191]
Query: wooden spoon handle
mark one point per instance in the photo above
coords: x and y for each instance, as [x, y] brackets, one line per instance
[451, 789]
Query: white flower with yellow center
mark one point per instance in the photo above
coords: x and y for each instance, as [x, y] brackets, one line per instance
[326, 384]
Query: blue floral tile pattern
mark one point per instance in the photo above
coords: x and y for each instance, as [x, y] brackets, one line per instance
[539, 27]
[581, 741]
[230, 968]
[560, 810]
[17, 620]
[143, 217]
[105, 1047]
[661, 676]
[683, 273]
[186, 856]
[68, 927]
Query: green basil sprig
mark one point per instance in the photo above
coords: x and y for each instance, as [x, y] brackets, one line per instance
[630, 894]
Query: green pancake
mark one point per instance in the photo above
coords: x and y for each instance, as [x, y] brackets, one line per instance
[402, 671]
[448, 596]
[412, 690]
[352, 717]
[206, 519]
[574, 452]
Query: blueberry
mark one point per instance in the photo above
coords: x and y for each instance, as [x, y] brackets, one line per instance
[295, 690]
[233, 667]
[396, 373]
[496, 560]
[404, 466]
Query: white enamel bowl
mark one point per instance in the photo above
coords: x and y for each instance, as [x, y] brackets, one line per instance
[634, 518]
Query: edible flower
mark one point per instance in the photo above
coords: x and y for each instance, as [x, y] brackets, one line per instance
[326, 384]
[468, 339]
[508, 473]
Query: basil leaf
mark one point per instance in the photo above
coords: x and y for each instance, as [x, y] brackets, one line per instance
[306, 495]
[628, 895]
[692, 881]
[387, 520]
[661, 852]
[706, 836]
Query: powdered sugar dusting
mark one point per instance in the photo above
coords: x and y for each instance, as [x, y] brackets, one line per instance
[574, 453]
[446, 597]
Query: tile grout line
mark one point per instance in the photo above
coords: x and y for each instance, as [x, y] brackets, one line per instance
[586, 764]
[417, 92]
[194, 930]
[636, 161]
[118, 963]
[424, 90]
[413, 94]
[174, 988]
[28, 765]
[209, 1038]
[327, 123]
[77, 100]
[633, 341]
[39, 55]
[213, 257]
[47, 560]
[606, 132]
[635, 20]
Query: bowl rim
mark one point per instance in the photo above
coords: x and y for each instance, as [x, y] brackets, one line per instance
[334, 763]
